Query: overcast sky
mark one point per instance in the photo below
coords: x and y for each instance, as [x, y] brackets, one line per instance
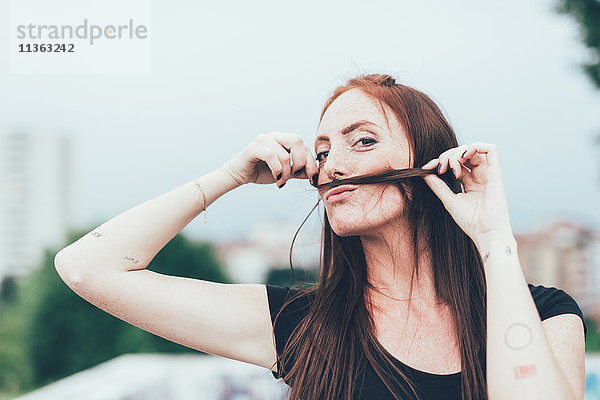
[224, 72]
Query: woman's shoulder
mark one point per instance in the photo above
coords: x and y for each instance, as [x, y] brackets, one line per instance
[551, 301]
[296, 301]
[286, 319]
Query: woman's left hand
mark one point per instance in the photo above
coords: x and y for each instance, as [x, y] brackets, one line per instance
[482, 211]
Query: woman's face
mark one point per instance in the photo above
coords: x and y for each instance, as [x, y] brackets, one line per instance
[353, 139]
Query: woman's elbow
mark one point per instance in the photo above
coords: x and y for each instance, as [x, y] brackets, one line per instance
[63, 263]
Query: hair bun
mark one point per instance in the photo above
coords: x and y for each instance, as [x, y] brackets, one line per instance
[388, 80]
[376, 79]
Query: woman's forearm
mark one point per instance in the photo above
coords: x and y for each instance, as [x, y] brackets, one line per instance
[132, 239]
[520, 363]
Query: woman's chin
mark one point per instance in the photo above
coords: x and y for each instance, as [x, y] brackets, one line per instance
[345, 227]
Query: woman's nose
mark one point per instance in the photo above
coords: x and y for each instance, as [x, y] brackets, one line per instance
[334, 166]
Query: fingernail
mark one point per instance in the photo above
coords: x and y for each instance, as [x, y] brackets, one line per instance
[279, 177]
[439, 168]
[463, 154]
[281, 185]
[315, 179]
[297, 172]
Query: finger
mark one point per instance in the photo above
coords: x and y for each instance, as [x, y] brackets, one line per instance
[282, 155]
[299, 168]
[491, 152]
[471, 159]
[431, 164]
[461, 164]
[458, 169]
[440, 188]
[445, 156]
[294, 144]
[266, 154]
[467, 181]
[474, 161]
[310, 168]
[298, 152]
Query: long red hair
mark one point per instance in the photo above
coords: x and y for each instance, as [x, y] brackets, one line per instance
[336, 339]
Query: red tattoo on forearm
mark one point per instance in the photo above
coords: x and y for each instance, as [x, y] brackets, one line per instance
[523, 371]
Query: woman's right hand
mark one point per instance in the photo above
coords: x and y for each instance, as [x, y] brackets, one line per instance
[267, 159]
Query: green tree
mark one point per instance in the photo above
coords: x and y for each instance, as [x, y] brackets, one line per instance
[15, 367]
[592, 342]
[8, 290]
[58, 333]
[285, 277]
[587, 15]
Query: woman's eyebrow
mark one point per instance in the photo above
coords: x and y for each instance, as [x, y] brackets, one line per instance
[352, 127]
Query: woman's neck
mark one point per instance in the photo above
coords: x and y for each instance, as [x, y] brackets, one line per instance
[390, 263]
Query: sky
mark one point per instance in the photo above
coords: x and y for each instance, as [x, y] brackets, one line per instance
[224, 72]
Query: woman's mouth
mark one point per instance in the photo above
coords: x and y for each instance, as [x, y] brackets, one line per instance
[339, 193]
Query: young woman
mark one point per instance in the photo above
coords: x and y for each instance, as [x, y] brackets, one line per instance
[420, 293]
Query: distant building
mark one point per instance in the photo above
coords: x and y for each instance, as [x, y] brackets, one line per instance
[194, 377]
[34, 207]
[268, 247]
[565, 255]
[166, 377]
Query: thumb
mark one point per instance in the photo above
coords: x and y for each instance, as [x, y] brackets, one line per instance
[441, 190]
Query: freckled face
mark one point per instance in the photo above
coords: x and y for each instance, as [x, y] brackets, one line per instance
[368, 148]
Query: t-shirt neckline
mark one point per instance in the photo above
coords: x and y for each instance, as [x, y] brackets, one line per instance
[424, 374]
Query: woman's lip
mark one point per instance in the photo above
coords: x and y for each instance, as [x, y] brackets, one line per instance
[340, 196]
[339, 189]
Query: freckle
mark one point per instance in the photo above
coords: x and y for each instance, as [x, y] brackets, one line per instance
[75, 278]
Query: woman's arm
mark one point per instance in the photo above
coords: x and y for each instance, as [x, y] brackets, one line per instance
[132, 239]
[520, 360]
[107, 267]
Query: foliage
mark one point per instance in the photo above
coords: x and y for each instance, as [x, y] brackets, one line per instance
[15, 366]
[587, 15]
[592, 341]
[284, 276]
[48, 332]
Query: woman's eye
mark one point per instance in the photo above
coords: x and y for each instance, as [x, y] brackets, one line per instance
[370, 142]
[367, 138]
[317, 158]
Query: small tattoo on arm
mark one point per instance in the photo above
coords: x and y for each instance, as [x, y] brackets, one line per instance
[507, 251]
[486, 256]
[523, 371]
[133, 260]
[96, 233]
[518, 336]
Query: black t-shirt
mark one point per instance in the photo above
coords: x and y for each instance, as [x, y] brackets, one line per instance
[549, 301]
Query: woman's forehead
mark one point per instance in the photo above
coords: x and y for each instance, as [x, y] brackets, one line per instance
[354, 106]
[348, 108]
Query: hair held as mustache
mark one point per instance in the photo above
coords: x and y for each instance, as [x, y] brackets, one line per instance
[388, 176]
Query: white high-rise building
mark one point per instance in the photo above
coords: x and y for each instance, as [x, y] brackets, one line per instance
[565, 255]
[34, 209]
